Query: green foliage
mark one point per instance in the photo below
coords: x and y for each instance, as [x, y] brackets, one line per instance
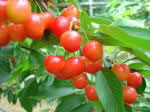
[109, 89]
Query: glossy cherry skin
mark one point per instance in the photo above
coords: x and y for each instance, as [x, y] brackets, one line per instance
[71, 41]
[122, 71]
[54, 64]
[48, 19]
[75, 21]
[90, 92]
[16, 32]
[73, 66]
[71, 11]
[61, 25]
[4, 39]
[134, 79]
[93, 50]
[91, 66]
[62, 75]
[34, 27]
[3, 15]
[18, 11]
[129, 94]
[80, 81]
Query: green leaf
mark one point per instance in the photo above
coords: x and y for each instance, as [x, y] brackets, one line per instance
[36, 59]
[22, 67]
[145, 72]
[125, 22]
[48, 39]
[26, 96]
[45, 110]
[100, 20]
[137, 65]
[126, 37]
[109, 90]
[57, 89]
[69, 103]
[128, 108]
[5, 70]
[98, 106]
[84, 108]
[7, 51]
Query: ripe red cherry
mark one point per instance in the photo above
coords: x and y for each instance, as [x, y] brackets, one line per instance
[3, 15]
[2, 22]
[74, 21]
[74, 66]
[71, 41]
[61, 25]
[34, 27]
[4, 39]
[93, 50]
[91, 66]
[71, 11]
[48, 19]
[16, 32]
[122, 71]
[135, 79]
[80, 81]
[62, 75]
[129, 94]
[18, 11]
[54, 64]
[90, 92]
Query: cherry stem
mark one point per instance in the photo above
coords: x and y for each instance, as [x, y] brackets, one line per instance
[71, 25]
[39, 6]
[43, 4]
[84, 33]
[27, 48]
[130, 60]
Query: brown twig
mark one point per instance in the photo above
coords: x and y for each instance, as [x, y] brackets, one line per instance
[44, 5]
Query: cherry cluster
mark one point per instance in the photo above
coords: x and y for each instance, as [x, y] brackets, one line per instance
[22, 23]
[132, 80]
[74, 68]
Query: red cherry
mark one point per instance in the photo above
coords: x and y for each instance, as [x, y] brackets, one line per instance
[18, 11]
[3, 15]
[48, 19]
[80, 81]
[90, 92]
[71, 41]
[121, 71]
[54, 64]
[129, 94]
[61, 25]
[16, 32]
[71, 11]
[2, 22]
[90, 66]
[34, 27]
[62, 75]
[4, 39]
[135, 79]
[93, 50]
[74, 66]
[74, 20]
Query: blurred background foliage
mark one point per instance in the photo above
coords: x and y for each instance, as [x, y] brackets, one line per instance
[138, 10]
